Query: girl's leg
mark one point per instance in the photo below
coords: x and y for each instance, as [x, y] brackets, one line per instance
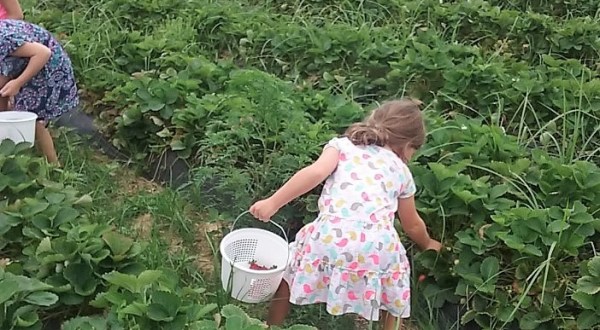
[44, 142]
[390, 322]
[280, 305]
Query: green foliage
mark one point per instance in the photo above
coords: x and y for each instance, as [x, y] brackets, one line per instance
[515, 226]
[55, 261]
[247, 93]
[21, 298]
[587, 294]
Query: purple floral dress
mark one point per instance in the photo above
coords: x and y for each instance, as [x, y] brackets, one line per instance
[51, 92]
[351, 257]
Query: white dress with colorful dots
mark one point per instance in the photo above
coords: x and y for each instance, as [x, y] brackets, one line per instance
[351, 257]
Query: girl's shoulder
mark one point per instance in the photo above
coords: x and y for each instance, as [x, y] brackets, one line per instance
[340, 143]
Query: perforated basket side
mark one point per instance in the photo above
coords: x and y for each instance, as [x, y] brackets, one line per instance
[241, 249]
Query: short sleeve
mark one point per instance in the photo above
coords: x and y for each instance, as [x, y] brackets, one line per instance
[10, 38]
[408, 188]
[334, 143]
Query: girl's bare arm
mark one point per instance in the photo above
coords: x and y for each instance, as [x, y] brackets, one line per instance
[414, 226]
[13, 9]
[38, 57]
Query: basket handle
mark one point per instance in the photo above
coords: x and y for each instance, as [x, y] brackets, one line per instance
[271, 222]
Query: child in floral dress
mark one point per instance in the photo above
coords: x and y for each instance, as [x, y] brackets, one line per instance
[351, 257]
[37, 72]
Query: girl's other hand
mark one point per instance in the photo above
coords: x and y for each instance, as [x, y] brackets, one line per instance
[433, 245]
[11, 88]
[263, 210]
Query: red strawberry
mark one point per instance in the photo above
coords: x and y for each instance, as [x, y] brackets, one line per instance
[422, 277]
[255, 266]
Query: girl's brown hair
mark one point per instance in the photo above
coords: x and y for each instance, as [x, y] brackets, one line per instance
[398, 124]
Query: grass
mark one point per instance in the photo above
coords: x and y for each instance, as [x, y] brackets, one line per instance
[176, 234]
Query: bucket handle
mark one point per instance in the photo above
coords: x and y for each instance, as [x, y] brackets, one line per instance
[270, 221]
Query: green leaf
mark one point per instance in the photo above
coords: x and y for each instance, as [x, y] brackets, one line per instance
[558, 226]
[512, 241]
[148, 277]
[85, 199]
[301, 327]
[8, 287]
[28, 284]
[64, 247]
[126, 281]
[164, 306]
[498, 190]
[442, 172]
[235, 323]
[65, 215]
[529, 321]
[55, 198]
[588, 285]
[533, 250]
[594, 267]
[7, 222]
[177, 145]
[232, 310]
[41, 298]
[489, 268]
[203, 311]
[33, 207]
[86, 323]
[25, 316]
[465, 195]
[135, 308]
[587, 320]
[118, 244]
[586, 301]
[468, 316]
[80, 276]
[7, 147]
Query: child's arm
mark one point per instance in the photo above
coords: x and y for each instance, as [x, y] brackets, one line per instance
[414, 226]
[13, 9]
[38, 57]
[302, 182]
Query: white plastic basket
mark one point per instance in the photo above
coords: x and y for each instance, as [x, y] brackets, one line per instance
[18, 126]
[241, 246]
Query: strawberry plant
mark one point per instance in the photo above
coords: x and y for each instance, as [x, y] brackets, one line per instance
[247, 93]
[587, 294]
[21, 299]
[152, 300]
[514, 239]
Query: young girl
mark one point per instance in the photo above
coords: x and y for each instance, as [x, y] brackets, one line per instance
[351, 257]
[37, 72]
[10, 9]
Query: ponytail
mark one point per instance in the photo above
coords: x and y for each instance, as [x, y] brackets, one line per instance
[396, 124]
[365, 134]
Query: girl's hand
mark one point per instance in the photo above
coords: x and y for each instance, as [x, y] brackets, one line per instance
[263, 210]
[11, 88]
[433, 245]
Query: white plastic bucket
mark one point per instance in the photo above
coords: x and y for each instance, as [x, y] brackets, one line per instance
[241, 246]
[18, 126]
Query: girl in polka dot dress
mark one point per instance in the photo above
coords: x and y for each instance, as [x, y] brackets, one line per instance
[36, 71]
[351, 257]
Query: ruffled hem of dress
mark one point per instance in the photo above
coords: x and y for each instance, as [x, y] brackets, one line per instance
[345, 292]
